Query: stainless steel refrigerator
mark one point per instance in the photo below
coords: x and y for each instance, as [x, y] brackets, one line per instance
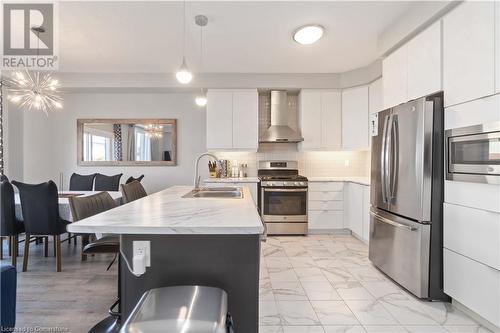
[407, 179]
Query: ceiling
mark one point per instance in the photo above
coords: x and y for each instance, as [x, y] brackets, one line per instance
[241, 37]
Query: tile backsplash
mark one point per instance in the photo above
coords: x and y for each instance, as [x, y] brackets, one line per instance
[311, 164]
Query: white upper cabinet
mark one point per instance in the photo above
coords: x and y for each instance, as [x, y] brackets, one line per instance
[375, 103]
[469, 52]
[414, 70]
[321, 119]
[219, 119]
[331, 114]
[355, 118]
[245, 119]
[395, 78]
[424, 62]
[497, 46]
[232, 119]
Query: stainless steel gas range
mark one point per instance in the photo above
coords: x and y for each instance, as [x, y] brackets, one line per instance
[282, 198]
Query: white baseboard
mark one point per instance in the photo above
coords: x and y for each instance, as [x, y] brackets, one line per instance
[475, 316]
[329, 231]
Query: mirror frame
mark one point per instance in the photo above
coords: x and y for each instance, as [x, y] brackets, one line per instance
[81, 122]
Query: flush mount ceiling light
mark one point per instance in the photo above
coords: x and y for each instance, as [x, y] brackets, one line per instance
[201, 21]
[184, 75]
[308, 34]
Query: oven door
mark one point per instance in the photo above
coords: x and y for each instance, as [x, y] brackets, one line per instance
[284, 204]
[473, 154]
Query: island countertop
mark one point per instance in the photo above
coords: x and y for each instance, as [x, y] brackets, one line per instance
[166, 212]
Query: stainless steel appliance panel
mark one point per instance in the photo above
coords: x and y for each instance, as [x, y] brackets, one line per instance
[284, 204]
[400, 248]
[378, 159]
[473, 153]
[409, 166]
[278, 228]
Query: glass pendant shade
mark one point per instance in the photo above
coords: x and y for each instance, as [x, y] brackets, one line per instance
[184, 75]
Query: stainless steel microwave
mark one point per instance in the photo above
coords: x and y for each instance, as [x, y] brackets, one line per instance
[473, 153]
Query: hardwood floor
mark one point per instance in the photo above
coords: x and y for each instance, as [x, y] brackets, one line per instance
[72, 300]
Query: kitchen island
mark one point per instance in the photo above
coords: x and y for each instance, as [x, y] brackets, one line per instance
[194, 241]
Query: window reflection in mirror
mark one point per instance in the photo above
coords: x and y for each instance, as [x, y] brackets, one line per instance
[127, 142]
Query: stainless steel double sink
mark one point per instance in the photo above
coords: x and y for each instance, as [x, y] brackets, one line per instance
[216, 192]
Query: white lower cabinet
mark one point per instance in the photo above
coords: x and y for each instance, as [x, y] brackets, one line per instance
[353, 215]
[473, 284]
[340, 205]
[473, 233]
[366, 213]
[357, 210]
[474, 195]
[326, 205]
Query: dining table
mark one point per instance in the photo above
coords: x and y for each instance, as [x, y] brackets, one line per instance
[64, 209]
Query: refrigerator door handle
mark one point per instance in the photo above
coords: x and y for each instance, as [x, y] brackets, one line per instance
[388, 159]
[395, 224]
[383, 158]
[394, 156]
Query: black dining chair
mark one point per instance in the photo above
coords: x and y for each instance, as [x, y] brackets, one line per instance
[83, 207]
[131, 179]
[4, 177]
[10, 226]
[132, 191]
[40, 205]
[107, 183]
[79, 182]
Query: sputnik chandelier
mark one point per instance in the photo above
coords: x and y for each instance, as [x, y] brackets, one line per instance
[34, 90]
[154, 131]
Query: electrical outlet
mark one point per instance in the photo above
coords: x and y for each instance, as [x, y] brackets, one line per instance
[143, 247]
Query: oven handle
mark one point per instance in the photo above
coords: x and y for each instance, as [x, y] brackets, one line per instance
[284, 189]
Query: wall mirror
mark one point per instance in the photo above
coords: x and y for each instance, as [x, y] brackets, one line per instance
[127, 142]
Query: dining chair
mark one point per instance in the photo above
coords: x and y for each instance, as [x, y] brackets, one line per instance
[40, 206]
[79, 182]
[107, 183]
[83, 207]
[132, 191]
[3, 177]
[131, 179]
[10, 226]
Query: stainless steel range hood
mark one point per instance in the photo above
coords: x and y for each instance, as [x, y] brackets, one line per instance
[280, 131]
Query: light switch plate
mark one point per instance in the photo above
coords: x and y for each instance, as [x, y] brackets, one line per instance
[374, 124]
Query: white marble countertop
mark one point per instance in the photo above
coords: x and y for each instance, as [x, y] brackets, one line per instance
[357, 180]
[166, 212]
[232, 180]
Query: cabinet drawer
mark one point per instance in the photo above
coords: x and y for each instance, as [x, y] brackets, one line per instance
[473, 233]
[326, 196]
[325, 186]
[473, 284]
[326, 220]
[474, 195]
[326, 205]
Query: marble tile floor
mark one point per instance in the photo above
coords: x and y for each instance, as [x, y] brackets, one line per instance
[326, 284]
[314, 284]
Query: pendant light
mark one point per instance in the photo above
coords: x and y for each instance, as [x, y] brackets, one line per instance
[201, 21]
[184, 75]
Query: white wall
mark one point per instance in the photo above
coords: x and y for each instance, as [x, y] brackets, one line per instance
[49, 142]
[13, 141]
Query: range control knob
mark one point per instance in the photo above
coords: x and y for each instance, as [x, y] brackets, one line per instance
[302, 183]
[297, 184]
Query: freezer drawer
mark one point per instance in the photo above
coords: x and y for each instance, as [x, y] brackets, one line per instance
[400, 248]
